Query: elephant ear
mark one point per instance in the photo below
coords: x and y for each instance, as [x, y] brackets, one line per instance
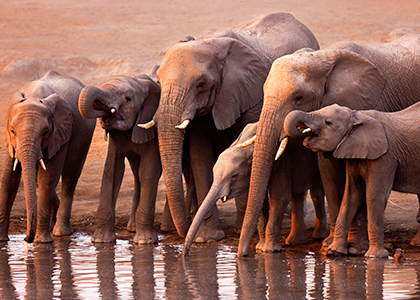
[365, 140]
[62, 123]
[244, 74]
[352, 80]
[151, 92]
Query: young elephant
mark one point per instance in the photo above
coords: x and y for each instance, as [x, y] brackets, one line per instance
[121, 103]
[231, 179]
[382, 152]
[44, 125]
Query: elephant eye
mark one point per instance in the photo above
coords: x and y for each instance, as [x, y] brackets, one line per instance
[234, 175]
[201, 85]
[13, 132]
[128, 99]
[44, 134]
[298, 97]
[328, 122]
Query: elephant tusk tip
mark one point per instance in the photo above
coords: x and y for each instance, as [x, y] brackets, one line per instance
[113, 110]
[147, 125]
[247, 143]
[307, 130]
[183, 125]
[224, 199]
[282, 147]
[42, 164]
[15, 164]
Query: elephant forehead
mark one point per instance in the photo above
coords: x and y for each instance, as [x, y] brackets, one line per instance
[189, 53]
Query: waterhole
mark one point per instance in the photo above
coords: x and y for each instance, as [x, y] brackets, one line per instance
[75, 268]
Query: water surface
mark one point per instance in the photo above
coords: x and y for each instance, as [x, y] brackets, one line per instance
[74, 268]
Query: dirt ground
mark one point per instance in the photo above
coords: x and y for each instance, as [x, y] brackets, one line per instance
[96, 39]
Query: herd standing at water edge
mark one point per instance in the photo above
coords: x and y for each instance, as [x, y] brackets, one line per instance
[183, 116]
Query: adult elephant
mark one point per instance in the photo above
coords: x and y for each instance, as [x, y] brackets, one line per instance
[121, 102]
[361, 77]
[44, 127]
[215, 84]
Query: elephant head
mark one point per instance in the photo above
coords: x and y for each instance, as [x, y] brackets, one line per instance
[121, 103]
[306, 80]
[38, 123]
[230, 178]
[221, 76]
[348, 133]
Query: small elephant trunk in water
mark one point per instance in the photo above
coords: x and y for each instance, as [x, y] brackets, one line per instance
[211, 199]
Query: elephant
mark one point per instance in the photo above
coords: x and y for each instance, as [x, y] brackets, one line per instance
[232, 172]
[381, 151]
[121, 103]
[43, 126]
[383, 77]
[211, 88]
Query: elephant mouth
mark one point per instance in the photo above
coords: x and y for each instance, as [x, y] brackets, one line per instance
[307, 131]
[111, 112]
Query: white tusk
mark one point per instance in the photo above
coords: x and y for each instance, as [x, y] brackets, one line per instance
[183, 125]
[15, 164]
[147, 125]
[224, 199]
[247, 143]
[307, 130]
[282, 147]
[42, 164]
[113, 110]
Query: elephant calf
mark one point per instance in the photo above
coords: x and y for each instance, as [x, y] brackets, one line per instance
[232, 173]
[382, 153]
[46, 138]
[121, 103]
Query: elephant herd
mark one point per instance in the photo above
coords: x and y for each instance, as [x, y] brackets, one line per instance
[257, 113]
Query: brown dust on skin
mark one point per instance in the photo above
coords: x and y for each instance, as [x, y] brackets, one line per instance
[95, 41]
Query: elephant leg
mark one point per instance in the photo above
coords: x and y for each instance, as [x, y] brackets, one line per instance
[149, 174]
[54, 209]
[262, 225]
[167, 223]
[418, 213]
[280, 194]
[202, 159]
[298, 234]
[131, 225]
[377, 194]
[333, 177]
[240, 203]
[110, 187]
[9, 184]
[353, 200]
[321, 229]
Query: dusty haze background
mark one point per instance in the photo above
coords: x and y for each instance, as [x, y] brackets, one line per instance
[96, 39]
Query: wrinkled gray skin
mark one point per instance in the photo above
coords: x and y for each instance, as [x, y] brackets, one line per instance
[383, 77]
[382, 153]
[121, 103]
[231, 179]
[216, 82]
[43, 122]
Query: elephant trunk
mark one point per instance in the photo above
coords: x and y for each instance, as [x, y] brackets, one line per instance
[213, 195]
[28, 162]
[171, 142]
[91, 103]
[269, 130]
[293, 120]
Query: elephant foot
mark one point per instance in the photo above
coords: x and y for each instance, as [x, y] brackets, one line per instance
[131, 226]
[62, 229]
[326, 243]
[238, 226]
[271, 247]
[145, 237]
[102, 236]
[377, 252]
[260, 245]
[358, 247]
[321, 232]
[296, 239]
[43, 238]
[336, 249]
[167, 225]
[205, 235]
[416, 239]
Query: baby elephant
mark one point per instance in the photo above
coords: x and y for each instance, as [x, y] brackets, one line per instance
[232, 173]
[382, 151]
[121, 103]
[46, 138]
